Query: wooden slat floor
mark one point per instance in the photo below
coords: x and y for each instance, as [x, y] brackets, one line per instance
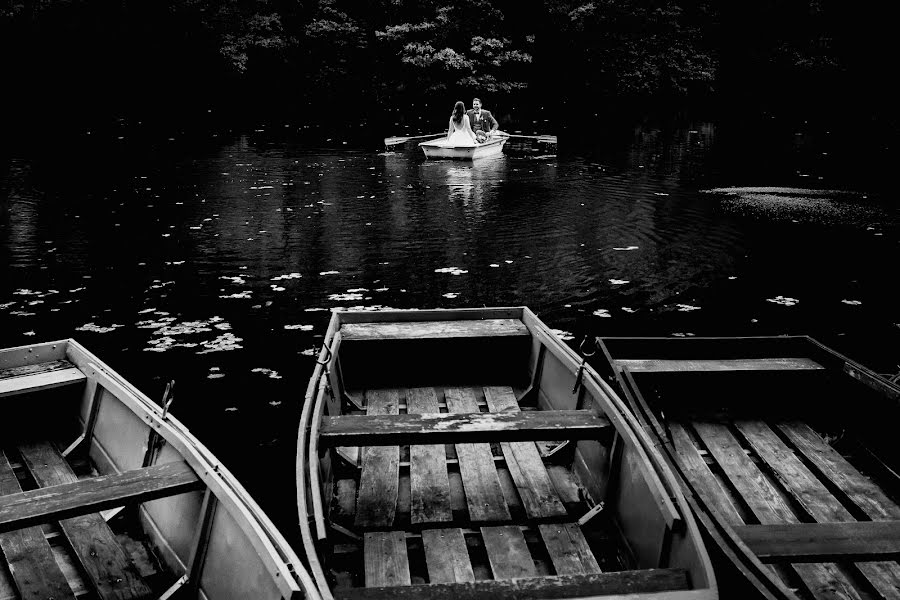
[475, 510]
[778, 473]
[79, 557]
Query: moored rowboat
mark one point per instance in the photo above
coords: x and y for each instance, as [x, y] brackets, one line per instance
[787, 451]
[79, 443]
[463, 454]
[441, 149]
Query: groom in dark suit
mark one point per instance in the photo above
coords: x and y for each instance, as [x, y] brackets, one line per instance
[482, 121]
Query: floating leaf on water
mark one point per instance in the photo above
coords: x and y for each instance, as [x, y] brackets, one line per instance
[784, 301]
[239, 295]
[91, 327]
[451, 270]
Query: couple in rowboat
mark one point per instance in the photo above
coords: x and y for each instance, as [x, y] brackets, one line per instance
[470, 128]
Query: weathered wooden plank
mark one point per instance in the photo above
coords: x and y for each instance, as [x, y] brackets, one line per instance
[433, 329]
[568, 549]
[446, 556]
[826, 581]
[884, 577]
[508, 552]
[700, 477]
[737, 364]
[379, 480]
[859, 488]
[111, 572]
[32, 566]
[765, 502]
[484, 497]
[538, 495]
[808, 491]
[95, 494]
[472, 427]
[34, 369]
[647, 581]
[386, 561]
[40, 381]
[822, 541]
[429, 483]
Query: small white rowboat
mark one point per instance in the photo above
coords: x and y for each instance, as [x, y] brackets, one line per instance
[441, 149]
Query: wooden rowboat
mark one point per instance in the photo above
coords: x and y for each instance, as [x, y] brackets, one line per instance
[419, 475]
[103, 494]
[440, 149]
[788, 452]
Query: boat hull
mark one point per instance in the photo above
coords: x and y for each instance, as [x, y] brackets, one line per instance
[395, 444]
[207, 536]
[438, 149]
[749, 426]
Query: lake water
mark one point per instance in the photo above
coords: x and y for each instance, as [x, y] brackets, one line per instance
[216, 261]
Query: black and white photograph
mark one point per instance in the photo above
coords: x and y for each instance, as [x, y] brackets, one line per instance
[434, 300]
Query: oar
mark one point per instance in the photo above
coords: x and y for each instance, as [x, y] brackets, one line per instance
[393, 141]
[547, 139]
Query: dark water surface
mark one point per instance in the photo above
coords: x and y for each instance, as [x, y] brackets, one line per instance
[216, 263]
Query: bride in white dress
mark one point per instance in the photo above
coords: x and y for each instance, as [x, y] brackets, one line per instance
[460, 133]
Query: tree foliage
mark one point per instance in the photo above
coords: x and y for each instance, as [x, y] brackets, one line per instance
[388, 50]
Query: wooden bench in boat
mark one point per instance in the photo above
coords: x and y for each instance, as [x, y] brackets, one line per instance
[40, 376]
[485, 503]
[420, 330]
[655, 365]
[396, 429]
[24, 509]
[865, 540]
[61, 496]
[619, 584]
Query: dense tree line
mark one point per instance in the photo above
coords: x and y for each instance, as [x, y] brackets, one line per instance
[348, 59]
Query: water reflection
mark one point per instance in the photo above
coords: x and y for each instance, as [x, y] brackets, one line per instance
[473, 184]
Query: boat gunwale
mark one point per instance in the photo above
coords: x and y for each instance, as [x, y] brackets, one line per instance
[288, 572]
[645, 443]
[732, 541]
[628, 426]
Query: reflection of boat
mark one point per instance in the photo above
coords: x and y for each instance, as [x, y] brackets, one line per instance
[440, 149]
[82, 442]
[450, 496]
[797, 493]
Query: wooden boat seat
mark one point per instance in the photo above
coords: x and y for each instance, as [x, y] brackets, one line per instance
[390, 430]
[101, 558]
[25, 509]
[434, 330]
[41, 376]
[637, 365]
[864, 540]
[624, 583]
